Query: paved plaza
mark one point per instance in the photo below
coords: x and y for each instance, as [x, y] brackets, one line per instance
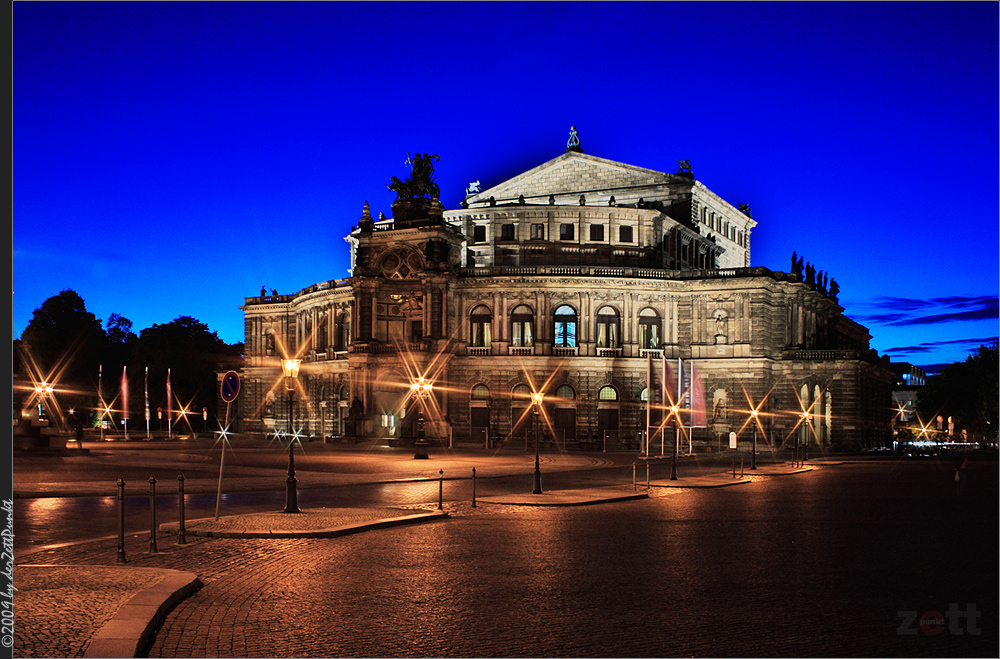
[833, 560]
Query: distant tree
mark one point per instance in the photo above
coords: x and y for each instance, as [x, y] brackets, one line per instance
[967, 391]
[64, 341]
[192, 353]
[119, 344]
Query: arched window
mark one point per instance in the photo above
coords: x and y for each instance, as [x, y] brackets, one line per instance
[565, 392]
[644, 395]
[607, 393]
[650, 329]
[608, 326]
[522, 330]
[480, 392]
[480, 335]
[564, 327]
[521, 392]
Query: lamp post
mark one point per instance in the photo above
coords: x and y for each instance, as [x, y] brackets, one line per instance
[536, 411]
[674, 410]
[421, 390]
[42, 390]
[291, 369]
[753, 450]
[803, 422]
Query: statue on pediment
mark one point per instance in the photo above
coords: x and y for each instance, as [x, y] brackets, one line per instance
[421, 182]
[573, 144]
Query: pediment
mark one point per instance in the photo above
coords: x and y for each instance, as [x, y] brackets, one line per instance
[572, 173]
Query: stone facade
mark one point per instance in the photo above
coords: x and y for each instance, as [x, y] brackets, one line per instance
[575, 279]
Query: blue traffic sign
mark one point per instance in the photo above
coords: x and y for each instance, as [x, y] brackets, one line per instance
[230, 386]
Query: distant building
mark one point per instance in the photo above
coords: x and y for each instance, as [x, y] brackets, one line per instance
[908, 380]
[576, 279]
[908, 375]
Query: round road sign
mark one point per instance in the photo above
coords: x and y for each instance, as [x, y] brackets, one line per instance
[230, 386]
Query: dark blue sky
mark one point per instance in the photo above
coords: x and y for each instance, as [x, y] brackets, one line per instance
[170, 159]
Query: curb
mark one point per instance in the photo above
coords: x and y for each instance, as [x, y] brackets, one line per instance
[560, 498]
[131, 629]
[331, 532]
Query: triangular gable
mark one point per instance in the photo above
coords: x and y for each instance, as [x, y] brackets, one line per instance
[572, 173]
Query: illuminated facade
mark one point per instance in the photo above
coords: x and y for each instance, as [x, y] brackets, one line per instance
[570, 279]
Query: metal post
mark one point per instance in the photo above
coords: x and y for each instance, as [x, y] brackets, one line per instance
[673, 460]
[291, 483]
[633, 477]
[181, 533]
[537, 484]
[440, 489]
[222, 464]
[121, 520]
[420, 446]
[152, 514]
[473, 487]
[753, 454]
[741, 467]
[647, 475]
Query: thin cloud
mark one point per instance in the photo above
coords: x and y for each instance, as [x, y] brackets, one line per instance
[969, 345]
[899, 312]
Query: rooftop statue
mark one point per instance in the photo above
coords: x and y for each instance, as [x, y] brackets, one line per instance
[421, 182]
[685, 167]
[473, 189]
[573, 144]
[745, 209]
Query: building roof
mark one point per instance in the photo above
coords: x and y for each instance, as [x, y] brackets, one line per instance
[577, 173]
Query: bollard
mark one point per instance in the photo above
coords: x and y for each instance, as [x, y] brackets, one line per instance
[181, 537]
[473, 487]
[440, 489]
[121, 520]
[152, 514]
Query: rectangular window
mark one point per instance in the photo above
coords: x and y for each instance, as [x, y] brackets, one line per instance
[624, 234]
[521, 334]
[597, 232]
[566, 231]
[507, 232]
[479, 233]
[538, 232]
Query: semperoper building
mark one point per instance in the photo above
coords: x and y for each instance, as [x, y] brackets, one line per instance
[575, 279]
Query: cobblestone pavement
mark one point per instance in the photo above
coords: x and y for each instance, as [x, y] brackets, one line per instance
[44, 590]
[307, 520]
[824, 563]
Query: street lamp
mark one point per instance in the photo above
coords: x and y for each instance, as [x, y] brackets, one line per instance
[41, 391]
[421, 390]
[674, 410]
[291, 369]
[803, 433]
[536, 411]
[753, 453]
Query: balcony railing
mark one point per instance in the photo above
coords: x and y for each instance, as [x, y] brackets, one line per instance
[479, 351]
[821, 355]
[560, 351]
[521, 351]
[612, 271]
[609, 352]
